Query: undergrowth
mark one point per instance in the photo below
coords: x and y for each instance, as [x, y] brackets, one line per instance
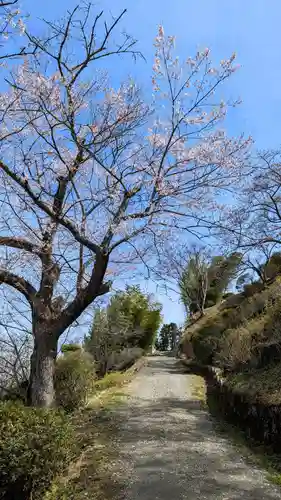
[96, 427]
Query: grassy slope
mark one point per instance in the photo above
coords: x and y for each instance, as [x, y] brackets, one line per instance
[263, 385]
[231, 335]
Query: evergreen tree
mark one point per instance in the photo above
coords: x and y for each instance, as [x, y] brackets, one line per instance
[130, 320]
[168, 337]
[204, 281]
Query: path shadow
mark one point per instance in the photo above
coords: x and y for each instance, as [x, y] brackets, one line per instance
[166, 365]
[183, 458]
[167, 448]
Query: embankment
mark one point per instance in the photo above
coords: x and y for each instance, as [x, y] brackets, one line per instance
[259, 420]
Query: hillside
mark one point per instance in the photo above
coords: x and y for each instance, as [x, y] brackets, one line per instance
[241, 335]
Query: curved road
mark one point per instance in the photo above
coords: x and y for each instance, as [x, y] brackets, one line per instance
[169, 450]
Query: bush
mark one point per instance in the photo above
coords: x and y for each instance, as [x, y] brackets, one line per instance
[113, 379]
[74, 379]
[35, 446]
[124, 359]
[233, 300]
[207, 340]
[253, 306]
[234, 348]
[70, 348]
[252, 289]
[248, 333]
[204, 349]
[272, 327]
[227, 295]
[232, 318]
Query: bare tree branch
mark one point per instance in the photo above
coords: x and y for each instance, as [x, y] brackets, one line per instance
[21, 244]
[19, 284]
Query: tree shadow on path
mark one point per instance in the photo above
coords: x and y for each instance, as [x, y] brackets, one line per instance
[161, 444]
[170, 450]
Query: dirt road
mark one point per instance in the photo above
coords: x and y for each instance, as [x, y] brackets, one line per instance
[169, 449]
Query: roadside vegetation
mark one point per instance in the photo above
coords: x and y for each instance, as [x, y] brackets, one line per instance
[240, 336]
[64, 452]
[104, 183]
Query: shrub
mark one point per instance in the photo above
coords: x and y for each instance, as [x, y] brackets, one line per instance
[233, 300]
[204, 349]
[241, 332]
[35, 445]
[207, 340]
[272, 327]
[234, 348]
[70, 348]
[113, 379]
[213, 327]
[74, 379]
[254, 306]
[124, 359]
[255, 327]
[252, 289]
[231, 318]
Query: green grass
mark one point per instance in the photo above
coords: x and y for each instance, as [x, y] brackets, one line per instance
[114, 379]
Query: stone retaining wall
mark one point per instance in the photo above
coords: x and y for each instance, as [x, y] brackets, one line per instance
[259, 421]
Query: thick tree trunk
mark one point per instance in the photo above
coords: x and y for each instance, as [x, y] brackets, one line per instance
[49, 322]
[43, 358]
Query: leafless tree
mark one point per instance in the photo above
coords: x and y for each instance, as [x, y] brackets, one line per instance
[256, 261]
[257, 219]
[13, 28]
[254, 225]
[85, 190]
[15, 351]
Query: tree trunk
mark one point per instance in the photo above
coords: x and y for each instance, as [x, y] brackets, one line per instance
[42, 393]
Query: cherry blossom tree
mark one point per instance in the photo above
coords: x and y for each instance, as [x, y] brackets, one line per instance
[254, 224]
[12, 27]
[94, 179]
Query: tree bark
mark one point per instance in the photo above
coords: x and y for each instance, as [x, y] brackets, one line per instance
[49, 322]
[42, 393]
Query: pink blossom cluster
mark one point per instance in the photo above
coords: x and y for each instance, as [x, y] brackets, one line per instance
[133, 164]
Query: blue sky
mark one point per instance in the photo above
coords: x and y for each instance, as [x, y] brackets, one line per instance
[250, 28]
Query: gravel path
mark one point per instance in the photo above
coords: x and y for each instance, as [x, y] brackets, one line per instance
[169, 450]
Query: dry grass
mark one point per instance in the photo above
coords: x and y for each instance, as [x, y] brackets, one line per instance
[96, 429]
[228, 335]
[193, 328]
[261, 385]
[88, 476]
[235, 347]
[198, 388]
